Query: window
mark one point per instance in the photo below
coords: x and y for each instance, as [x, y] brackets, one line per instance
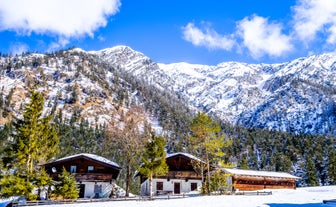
[193, 186]
[73, 169]
[90, 169]
[159, 185]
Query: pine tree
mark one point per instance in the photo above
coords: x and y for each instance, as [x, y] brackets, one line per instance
[16, 185]
[219, 182]
[208, 144]
[8, 103]
[154, 160]
[34, 141]
[332, 167]
[42, 181]
[311, 176]
[4, 141]
[66, 188]
[243, 164]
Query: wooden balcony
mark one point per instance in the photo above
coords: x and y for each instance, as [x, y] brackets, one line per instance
[93, 177]
[101, 177]
[184, 175]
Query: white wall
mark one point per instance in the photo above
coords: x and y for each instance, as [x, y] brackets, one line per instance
[89, 188]
[145, 188]
[229, 183]
[169, 185]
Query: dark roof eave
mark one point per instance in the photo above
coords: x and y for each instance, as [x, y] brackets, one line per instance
[81, 156]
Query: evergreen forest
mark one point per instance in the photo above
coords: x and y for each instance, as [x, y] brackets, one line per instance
[67, 131]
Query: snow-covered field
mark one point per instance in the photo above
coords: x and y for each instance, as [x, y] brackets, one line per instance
[302, 197]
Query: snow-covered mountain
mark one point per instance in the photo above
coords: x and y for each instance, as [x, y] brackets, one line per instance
[125, 59]
[64, 79]
[297, 96]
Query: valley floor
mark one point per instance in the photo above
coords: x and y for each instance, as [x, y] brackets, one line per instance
[301, 197]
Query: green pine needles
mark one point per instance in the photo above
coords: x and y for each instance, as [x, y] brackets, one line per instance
[34, 141]
[208, 143]
[154, 160]
[66, 187]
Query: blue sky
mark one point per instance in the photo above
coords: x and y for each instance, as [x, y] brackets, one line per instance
[194, 31]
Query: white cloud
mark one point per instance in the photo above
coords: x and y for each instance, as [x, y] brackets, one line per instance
[206, 37]
[101, 38]
[332, 37]
[314, 16]
[62, 42]
[312, 22]
[257, 35]
[263, 38]
[65, 18]
[18, 48]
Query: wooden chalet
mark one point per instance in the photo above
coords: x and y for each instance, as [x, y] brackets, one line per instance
[250, 180]
[181, 176]
[94, 174]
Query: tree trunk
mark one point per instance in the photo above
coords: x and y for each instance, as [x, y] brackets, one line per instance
[202, 172]
[208, 168]
[29, 164]
[128, 181]
[150, 185]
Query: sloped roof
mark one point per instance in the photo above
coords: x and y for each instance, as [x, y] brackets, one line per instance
[260, 173]
[90, 156]
[183, 154]
[172, 155]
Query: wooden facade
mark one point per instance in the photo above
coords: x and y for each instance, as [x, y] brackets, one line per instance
[86, 167]
[180, 166]
[250, 180]
[181, 176]
[91, 171]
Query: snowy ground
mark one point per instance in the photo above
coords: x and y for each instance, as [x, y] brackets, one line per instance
[302, 197]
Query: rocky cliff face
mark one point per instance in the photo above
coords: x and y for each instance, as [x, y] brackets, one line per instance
[297, 96]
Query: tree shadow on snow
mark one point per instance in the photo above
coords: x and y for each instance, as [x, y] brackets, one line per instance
[299, 205]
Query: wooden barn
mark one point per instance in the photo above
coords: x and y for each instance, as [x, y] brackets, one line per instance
[250, 180]
[181, 176]
[94, 174]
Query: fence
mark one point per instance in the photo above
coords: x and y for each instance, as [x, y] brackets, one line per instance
[253, 193]
[78, 201]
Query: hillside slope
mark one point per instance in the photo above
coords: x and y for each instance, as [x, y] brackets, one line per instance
[297, 96]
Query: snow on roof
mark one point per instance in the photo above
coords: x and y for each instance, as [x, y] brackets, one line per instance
[91, 156]
[172, 155]
[184, 154]
[260, 173]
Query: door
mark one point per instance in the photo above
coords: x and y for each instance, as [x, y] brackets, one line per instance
[81, 188]
[193, 186]
[177, 188]
[159, 188]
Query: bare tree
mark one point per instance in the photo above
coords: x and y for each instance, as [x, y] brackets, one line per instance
[125, 137]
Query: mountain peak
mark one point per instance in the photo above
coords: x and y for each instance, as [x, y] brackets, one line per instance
[296, 96]
[286, 96]
[115, 49]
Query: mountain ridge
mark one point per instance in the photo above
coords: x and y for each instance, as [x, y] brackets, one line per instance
[248, 88]
[296, 96]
